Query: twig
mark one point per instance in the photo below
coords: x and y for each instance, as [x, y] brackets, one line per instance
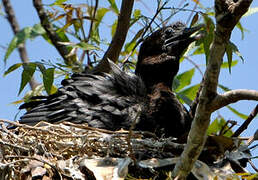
[224, 130]
[247, 122]
[194, 64]
[130, 134]
[53, 36]
[195, 101]
[15, 27]
[252, 138]
[10, 133]
[118, 39]
[145, 31]
[195, 6]
[89, 35]
[93, 18]
[252, 165]
[14, 146]
[40, 160]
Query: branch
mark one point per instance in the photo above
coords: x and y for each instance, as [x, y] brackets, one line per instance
[118, 40]
[51, 33]
[227, 14]
[247, 122]
[234, 96]
[15, 27]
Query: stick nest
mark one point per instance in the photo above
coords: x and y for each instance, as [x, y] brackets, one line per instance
[76, 151]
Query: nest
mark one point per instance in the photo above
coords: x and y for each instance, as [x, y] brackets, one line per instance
[76, 151]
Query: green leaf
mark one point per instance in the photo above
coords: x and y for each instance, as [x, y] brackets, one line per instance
[185, 79]
[184, 99]
[190, 92]
[58, 2]
[28, 71]
[251, 11]
[130, 45]
[242, 29]
[226, 65]
[99, 16]
[175, 84]
[236, 51]
[63, 36]
[207, 40]
[136, 16]
[14, 44]
[224, 88]
[48, 79]
[22, 36]
[113, 28]
[67, 25]
[12, 68]
[199, 50]
[217, 125]
[187, 51]
[137, 13]
[77, 25]
[17, 102]
[41, 67]
[37, 30]
[86, 46]
[113, 6]
[229, 56]
[241, 115]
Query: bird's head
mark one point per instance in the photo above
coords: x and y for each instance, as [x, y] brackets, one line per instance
[159, 54]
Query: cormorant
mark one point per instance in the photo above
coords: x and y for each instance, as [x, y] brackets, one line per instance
[113, 101]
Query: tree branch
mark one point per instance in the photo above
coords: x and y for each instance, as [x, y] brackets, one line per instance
[53, 36]
[233, 96]
[227, 14]
[118, 40]
[15, 27]
[247, 122]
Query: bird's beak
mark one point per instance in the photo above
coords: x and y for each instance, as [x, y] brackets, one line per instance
[186, 35]
[189, 31]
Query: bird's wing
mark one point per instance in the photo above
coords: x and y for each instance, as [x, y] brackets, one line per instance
[109, 101]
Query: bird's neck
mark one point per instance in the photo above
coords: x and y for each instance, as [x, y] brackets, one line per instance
[160, 86]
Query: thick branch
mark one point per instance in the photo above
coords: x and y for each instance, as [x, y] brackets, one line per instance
[118, 40]
[55, 39]
[227, 14]
[15, 27]
[234, 96]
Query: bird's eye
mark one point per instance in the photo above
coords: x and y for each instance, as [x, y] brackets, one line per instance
[168, 31]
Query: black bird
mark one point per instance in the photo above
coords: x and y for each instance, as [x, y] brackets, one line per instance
[113, 101]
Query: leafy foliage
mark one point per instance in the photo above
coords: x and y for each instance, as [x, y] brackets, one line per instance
[219, 125]
[22, 36]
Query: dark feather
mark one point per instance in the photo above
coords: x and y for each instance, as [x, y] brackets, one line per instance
[113, 101]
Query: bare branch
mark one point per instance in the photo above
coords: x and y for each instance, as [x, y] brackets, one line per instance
[158, 10]
[15, 27]
[118, 40]
[227, 14]
[89, 34]
[93, 18]
[247, 122]
[55, 39]
[233, 96]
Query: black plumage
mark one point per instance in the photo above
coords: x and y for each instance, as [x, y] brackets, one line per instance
[113, 101]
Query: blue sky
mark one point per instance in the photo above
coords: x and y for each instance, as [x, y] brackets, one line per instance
[243, 76]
